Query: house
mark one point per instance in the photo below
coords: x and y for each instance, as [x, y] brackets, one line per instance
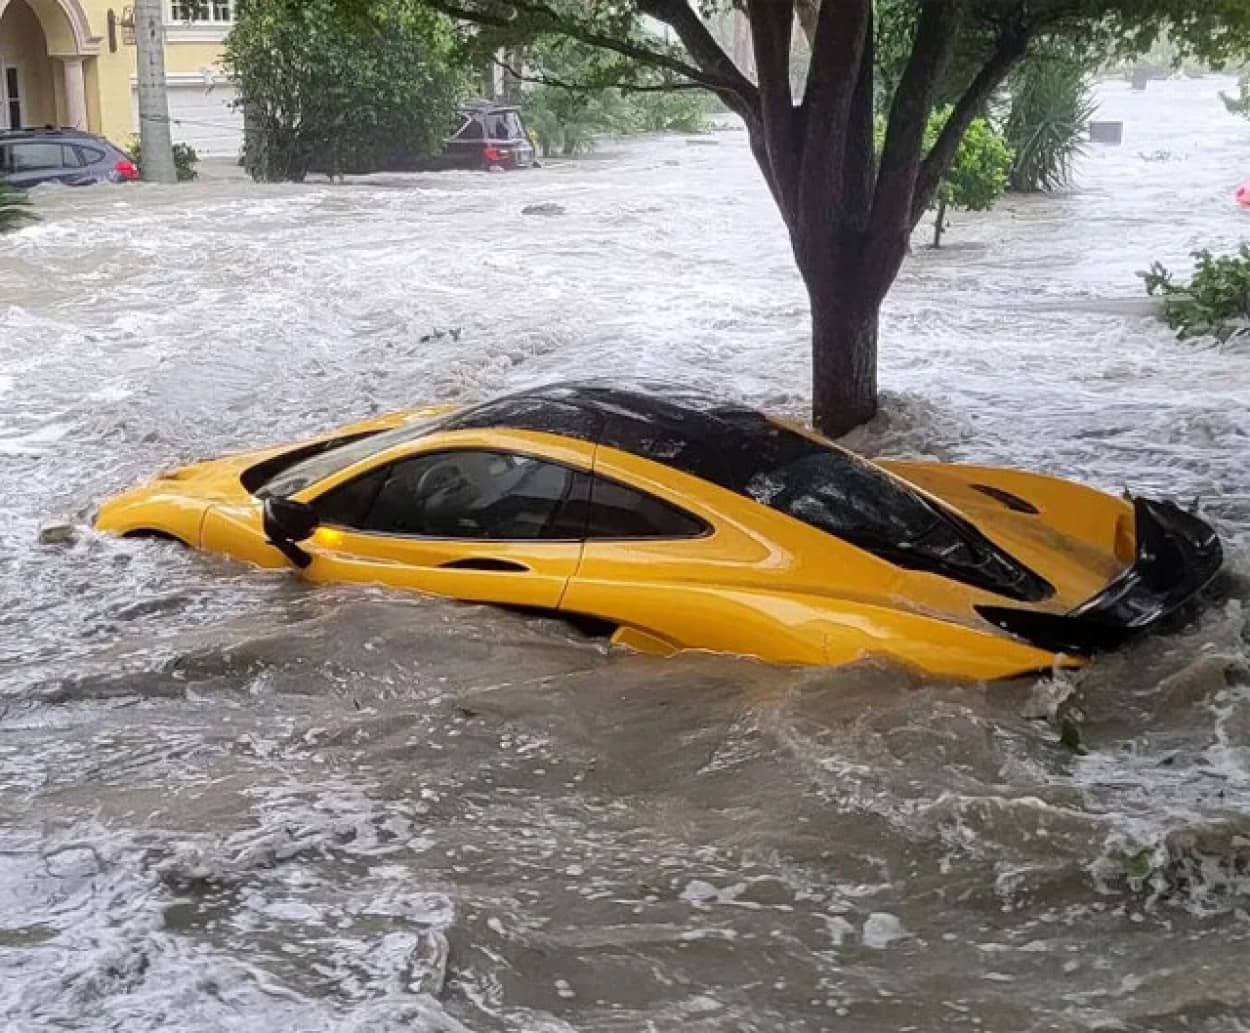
[72, 63]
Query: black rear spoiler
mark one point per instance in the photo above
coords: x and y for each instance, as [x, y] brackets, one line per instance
[1178, 554]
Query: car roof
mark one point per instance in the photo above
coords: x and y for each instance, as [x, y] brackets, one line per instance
[40, 132]
[485, 107]
[568, 407]
[679, 426]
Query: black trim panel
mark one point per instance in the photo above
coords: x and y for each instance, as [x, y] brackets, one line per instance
[1178, 554]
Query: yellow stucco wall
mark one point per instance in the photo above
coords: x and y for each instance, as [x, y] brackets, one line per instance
[23, 45]
[34, 29]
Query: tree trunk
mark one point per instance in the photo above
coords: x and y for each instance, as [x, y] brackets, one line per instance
[844, 355]
[940, 224]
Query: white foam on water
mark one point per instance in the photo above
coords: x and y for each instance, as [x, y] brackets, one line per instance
[232, 801]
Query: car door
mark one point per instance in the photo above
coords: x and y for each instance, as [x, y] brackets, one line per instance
[481, 524]
[674, 567]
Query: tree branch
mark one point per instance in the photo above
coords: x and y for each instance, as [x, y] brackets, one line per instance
[701, 45]
[859, 166]
[1011, 47]
[573, 87]
[808, 12]
[772, 23]
[838, 49]
[570, 27]
[909, 115]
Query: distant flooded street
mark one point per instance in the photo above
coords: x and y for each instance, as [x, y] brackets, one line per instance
[232, 801]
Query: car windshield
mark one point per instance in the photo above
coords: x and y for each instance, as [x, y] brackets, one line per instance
[841, 494]
[323, 464]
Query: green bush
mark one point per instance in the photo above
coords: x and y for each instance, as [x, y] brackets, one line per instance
[682, 111]
[1051, 106]
[566, 121]
[343, 88]
[14, 208]
[185, 158]
[1216, 300]
[977, 176]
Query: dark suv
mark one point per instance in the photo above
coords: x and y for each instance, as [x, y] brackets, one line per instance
[487, 136]
[32, 156]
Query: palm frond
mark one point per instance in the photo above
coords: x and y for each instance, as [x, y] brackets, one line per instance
[1051, 106]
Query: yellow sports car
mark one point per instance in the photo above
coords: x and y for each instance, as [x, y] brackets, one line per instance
[679, 522]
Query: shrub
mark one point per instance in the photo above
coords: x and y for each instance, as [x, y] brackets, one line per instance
[1216, 300]
[566, 121]
[682, 111]
[14, 208]
[977, 177]
[359, 89]
[185, 158]
[1051, 105]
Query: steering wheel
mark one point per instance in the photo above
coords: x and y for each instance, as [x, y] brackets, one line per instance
[445, 478]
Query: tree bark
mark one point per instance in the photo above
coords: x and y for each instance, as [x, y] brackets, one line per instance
[940, 224]
[844, 355]
[849, 214]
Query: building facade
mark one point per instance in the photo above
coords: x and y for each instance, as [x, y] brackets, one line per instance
[72, 63]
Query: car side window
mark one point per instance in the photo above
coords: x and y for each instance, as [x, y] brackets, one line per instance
[468, 494]
[71, 157]
[88, 155]
[620, 512]
[471, 130]
[6, 159]
[349, 504]
[35, 157]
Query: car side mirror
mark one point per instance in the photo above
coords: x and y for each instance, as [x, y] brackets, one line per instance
[287, 522]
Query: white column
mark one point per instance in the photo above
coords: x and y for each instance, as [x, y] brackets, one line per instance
[75, 92]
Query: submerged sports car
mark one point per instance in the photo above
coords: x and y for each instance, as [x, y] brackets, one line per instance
[679, 522]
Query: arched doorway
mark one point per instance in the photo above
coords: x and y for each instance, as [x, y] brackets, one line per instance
[44, 47]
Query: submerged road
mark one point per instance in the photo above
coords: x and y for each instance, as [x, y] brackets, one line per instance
[232, 801]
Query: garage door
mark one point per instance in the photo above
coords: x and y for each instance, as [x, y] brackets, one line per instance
[203, 116]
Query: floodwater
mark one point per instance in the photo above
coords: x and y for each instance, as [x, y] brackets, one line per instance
[232, 801]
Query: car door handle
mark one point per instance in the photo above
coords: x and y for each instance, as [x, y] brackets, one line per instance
[485, 563]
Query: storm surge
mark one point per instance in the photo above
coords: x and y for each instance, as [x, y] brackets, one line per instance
[233, 801]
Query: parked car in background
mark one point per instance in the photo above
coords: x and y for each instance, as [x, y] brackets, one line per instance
[29, 157]
[488, 135]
